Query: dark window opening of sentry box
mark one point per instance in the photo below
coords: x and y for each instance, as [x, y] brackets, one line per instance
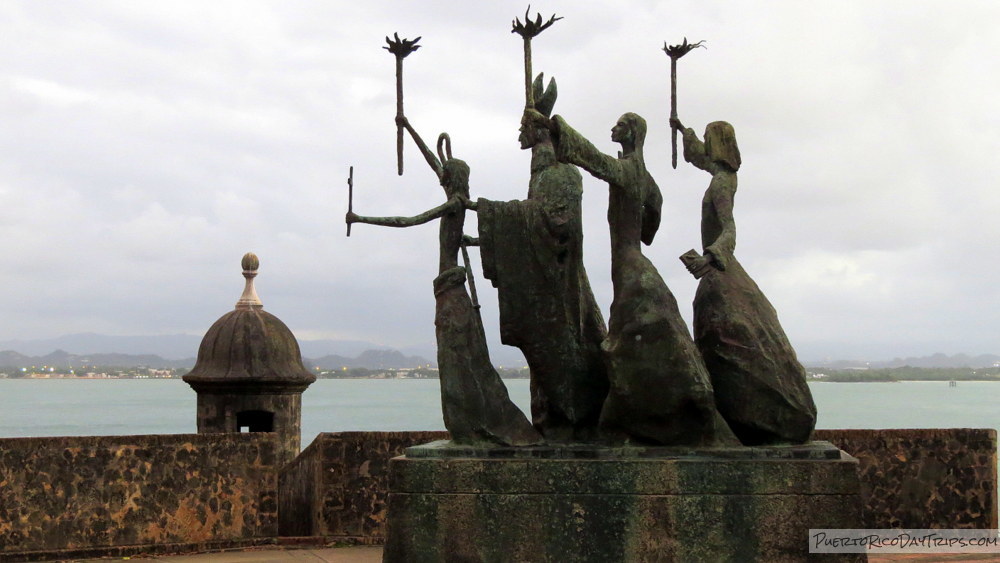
[255, 421]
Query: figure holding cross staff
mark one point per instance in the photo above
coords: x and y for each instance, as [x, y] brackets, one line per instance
[475, 402]
[532, 252]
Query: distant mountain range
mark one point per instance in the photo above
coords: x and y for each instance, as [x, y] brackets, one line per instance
[60, 359]
[170, 346]
[932, 361]
[371, 359]
[180, 350]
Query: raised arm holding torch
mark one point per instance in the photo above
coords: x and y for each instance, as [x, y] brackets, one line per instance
[675, 52]
[527, 31]
[400, 48]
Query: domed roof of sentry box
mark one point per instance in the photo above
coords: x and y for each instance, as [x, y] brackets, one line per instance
[249, 348]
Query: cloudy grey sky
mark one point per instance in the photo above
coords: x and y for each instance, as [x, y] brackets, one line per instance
[147, 145]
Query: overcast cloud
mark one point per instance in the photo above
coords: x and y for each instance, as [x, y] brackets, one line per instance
[148, 145]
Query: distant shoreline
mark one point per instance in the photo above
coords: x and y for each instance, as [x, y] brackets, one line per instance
[906, 373]
[904, 381]
[813, 374]
[401, 378]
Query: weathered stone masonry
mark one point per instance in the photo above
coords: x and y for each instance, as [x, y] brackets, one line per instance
[78, 493]
[122, 495]
[918, 478]
[338, 486]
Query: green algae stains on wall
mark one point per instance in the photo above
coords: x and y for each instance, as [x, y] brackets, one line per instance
[100, 495]
[338, 486]
[944, 478]
[924, 478]
[636, 503]
[76, 493]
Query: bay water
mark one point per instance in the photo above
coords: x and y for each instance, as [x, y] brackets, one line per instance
[38, 407]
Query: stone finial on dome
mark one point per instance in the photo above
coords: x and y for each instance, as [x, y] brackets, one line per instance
[249, 299]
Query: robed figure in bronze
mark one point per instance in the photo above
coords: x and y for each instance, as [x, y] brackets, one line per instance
[475, 402]
[760, 386]
[532, 252]
[660, 391]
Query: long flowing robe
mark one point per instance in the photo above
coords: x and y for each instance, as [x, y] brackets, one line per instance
[474, 400]
[760, 386]
[532, 252]
[659, 388]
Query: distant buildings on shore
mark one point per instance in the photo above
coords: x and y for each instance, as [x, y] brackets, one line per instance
[423, 372]
[46, 372]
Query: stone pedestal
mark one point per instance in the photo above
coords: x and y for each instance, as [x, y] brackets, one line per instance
[584, 503]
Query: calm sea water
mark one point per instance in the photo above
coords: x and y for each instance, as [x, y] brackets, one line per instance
[110, 407]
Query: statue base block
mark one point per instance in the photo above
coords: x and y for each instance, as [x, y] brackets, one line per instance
[589, 503]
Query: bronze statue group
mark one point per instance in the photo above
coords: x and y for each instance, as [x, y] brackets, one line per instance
[641, 379]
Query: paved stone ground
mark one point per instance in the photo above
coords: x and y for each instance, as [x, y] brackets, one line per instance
[360, 554]
[373, 554]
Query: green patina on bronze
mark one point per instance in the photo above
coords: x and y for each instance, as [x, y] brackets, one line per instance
[639, 463]
[760, 386]
[660, 391]
[532, 252]
[642, 378]
[474, 400]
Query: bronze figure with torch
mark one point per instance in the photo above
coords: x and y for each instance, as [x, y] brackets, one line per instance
[400, 48]
[675, 52]
[528, 30]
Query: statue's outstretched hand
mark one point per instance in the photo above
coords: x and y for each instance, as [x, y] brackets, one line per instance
[351, 217]
[676, 124]
[402, 121]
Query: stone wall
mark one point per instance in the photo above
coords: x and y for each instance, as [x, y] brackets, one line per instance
[218, 412]
[338, 486]
[84, 496]
[70, 495]
[943, 478]
[913, 478]
[634, 503]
